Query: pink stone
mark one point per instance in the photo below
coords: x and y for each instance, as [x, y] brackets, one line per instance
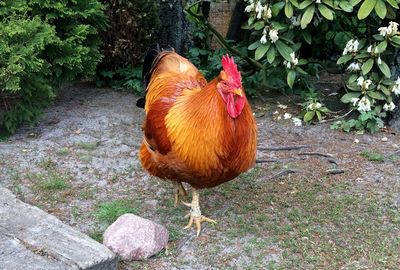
[135, 238]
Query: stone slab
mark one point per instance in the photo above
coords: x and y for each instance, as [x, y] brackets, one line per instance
[33, 239]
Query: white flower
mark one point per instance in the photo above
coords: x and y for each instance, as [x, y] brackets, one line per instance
[354, 100]
[279, 118]
[354, 66]
[273, 35]
[379, 60]
[351, 46]
[295, 60]
[367, 83]
[263, 39]
[363, 83]
[314, 106]
[390, 30]
[389, 107]
[296, 121]
[287, 116]
[364, 105]
[396, 87]
[287, 64]
[369, 49]
[360, 80]
[259, 10]
[394, 27]
[282, 106]
[275, 112]
[317, 1]
[383, 31]
[267, 13]
[249, 8]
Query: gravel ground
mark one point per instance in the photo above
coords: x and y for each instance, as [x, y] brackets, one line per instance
[291, 212]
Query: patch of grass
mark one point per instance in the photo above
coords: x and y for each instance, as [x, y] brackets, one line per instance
[318, 224]
[85, 157]
[54, 182]
[108, 212]
[48, 164]
[62, 151]
[88, 145]
[50, 181]
[96, 235]
[372, 156]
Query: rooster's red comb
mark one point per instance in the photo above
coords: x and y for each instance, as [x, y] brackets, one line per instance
[230, 68]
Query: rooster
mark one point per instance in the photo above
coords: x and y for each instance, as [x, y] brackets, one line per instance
[198, 132]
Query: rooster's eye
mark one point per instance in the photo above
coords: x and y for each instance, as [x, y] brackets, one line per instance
[224, 84]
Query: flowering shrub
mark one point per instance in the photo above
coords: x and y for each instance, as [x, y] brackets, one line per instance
[284, 31]
[370, 89]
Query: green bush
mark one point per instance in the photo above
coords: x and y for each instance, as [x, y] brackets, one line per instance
[290, 41]
[43, 45]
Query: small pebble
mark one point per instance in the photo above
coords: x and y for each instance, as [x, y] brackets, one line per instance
[356, 140]
[384, 139]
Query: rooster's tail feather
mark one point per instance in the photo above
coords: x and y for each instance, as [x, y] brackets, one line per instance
[150, 61]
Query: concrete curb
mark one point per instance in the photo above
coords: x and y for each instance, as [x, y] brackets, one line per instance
[33, 239]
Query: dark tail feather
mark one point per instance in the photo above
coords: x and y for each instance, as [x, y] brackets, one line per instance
[147, 70]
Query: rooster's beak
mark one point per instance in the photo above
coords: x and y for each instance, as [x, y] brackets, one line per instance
[238, 92]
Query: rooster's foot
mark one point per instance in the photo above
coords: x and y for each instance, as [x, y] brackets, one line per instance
[179, 193]
[195, 214]
[197, 220]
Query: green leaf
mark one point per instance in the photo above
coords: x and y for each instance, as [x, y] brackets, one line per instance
[250, 20]
[365, 9]
[307, 16]
[261, 51]
[277, 7]
[386, 91]
[367, 66]
[393, 3]
[307, 37]
[344, 59]
[259, 25]
[347, 97]
[291, 77]
[284, 50]
[378, 37]
[345, 6]
[305, 4]
[326, 12]
[288, 10]
[309, 116]
[319, 116]
[395, 41]
[354, 2]
[382, 46]
[300, 70]
[302, 62]
[380, 9]
[385, 69]
[376, 95]
[271, 54]
[254, 45]
[391, 13]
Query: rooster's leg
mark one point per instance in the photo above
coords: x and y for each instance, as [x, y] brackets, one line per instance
[179, 192]
[195, 214]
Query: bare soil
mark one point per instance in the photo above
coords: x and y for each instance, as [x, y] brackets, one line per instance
[317, 199]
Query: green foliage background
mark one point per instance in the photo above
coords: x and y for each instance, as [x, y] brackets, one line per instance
[44, 45]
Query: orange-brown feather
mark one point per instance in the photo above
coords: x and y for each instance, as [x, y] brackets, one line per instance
[189, 135]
